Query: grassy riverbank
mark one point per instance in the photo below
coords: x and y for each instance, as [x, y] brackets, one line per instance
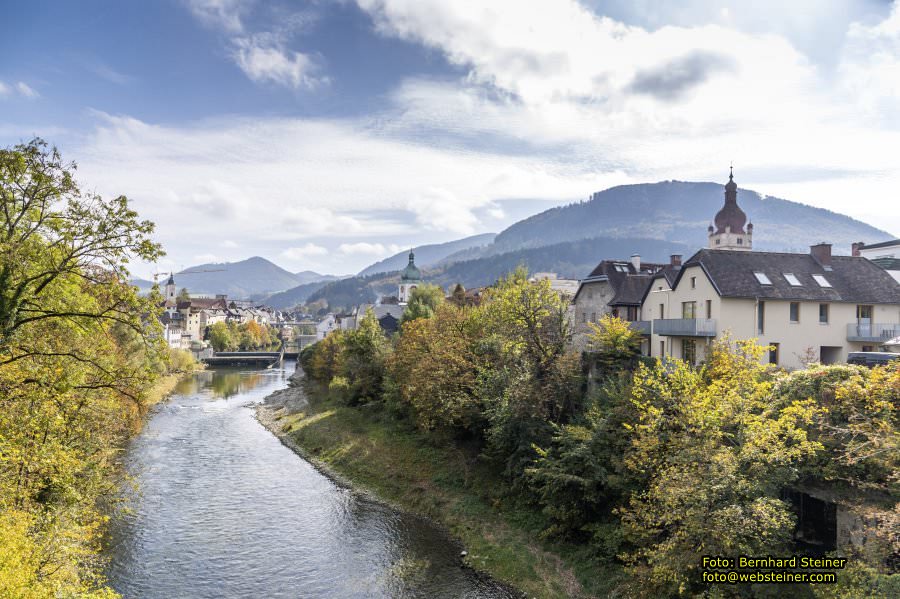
[450, 486]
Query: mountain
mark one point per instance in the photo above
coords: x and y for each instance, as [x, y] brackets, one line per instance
[296, 295]
[680, 212]
[307, 276]
[251, 277]
[571, 260]
[143, 285]
[428, 255]
[652, 219]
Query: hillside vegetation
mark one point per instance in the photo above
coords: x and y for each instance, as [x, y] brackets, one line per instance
[627, 470]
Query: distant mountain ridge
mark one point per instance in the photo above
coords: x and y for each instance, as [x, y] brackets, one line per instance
[254, 277]
[680, 211]
[650, 219]
[428, 255]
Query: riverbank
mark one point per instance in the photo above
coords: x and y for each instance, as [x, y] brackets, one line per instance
[366, 448]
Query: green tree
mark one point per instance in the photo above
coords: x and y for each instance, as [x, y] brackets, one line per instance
[221, 337]
[364, 352]
[78, 349]
[711, 452]
[183, 295]
[423, 302]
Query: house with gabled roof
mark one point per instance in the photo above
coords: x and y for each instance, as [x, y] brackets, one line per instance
[812, 307]
[616, 287]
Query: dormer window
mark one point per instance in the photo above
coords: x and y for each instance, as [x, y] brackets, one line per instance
[762, 278]
[821, 280]
[621, 268]
[793, 280]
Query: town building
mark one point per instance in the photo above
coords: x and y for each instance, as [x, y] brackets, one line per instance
[616, 287]
[813, 307]
[730, 229]
[410, 278]
[885, 254]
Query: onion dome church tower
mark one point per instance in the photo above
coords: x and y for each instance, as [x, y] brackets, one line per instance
[410, 278]
[729, 232]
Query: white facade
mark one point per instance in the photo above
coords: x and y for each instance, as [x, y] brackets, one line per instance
[801, 331]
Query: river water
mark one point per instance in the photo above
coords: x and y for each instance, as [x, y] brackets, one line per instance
[224, 510]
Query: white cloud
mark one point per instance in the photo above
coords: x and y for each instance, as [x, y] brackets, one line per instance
[304, 251]
[556, 103]
[222, 14]
[21, 88]
[207, 258]
[229, 244]
[265, 59]
[373, 249]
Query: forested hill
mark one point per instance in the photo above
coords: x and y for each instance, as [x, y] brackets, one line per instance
[572, 259]
[253, 277]
[428, 255]
[680, 212]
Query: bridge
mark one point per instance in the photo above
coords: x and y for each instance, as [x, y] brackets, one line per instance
[248, 358]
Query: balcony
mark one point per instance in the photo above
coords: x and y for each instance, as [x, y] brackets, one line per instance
[872, 332]
[641, 326]
[685, 327]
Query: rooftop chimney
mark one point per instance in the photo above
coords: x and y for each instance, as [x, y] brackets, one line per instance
[854, 248]
[821, 253]
[636, 262]
[675, 260]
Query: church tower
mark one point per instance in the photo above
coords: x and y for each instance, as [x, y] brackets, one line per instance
[170, 291]
[729, 232]
[410, 278]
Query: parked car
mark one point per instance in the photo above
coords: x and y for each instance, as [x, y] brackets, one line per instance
[871, 358]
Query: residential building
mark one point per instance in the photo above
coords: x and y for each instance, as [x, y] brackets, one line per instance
[616, 287]
[326, 326]
[807, 307]
[885, 254]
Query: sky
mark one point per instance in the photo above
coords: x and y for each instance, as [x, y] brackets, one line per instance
[328, 134]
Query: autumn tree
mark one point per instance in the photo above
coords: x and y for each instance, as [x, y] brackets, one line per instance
[78, 349]
[710, 452]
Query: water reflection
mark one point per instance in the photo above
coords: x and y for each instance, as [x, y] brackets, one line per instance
[226, 511]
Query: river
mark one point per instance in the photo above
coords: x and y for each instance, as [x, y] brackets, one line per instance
[222, 509]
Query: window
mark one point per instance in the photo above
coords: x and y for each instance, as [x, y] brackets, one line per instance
[740, 241]
[621, 268]
[718, 241]
[689, 351]
[584, 317]
[593, 317]
[762, 278]
[760, 318]
[709, 308]
[773, 353]
[662, 312]
[823, 313]
[864, 313]
[795, 311]
[793, 280]
[821, 280]
[693, 282]
[662, 349]
[632, 313]
[689, 309]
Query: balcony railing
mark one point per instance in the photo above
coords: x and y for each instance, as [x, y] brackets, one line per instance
[685, 327]
[871, 331]
[641, 326]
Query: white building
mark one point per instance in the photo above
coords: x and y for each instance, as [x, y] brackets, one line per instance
[885, 254]
[410, 278]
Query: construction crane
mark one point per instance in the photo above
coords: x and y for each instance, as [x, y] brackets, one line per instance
[186, 272]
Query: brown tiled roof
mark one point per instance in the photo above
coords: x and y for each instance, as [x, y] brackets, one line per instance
[852, 279]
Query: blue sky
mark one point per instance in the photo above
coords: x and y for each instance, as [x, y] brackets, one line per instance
[331, 133]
